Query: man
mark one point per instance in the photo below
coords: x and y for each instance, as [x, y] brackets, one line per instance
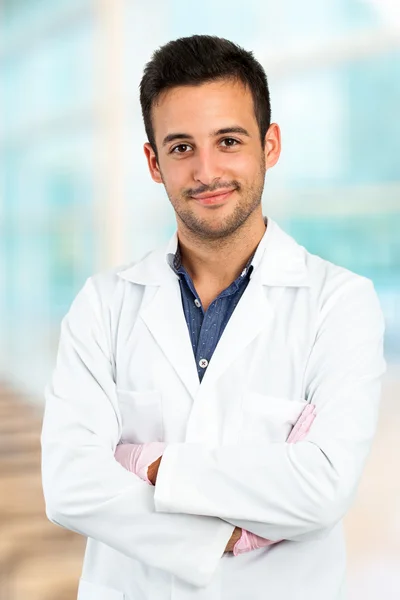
[192, 368]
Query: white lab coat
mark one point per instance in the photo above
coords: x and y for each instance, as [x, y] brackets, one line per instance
[304, 331]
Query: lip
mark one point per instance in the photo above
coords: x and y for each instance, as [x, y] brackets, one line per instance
[214, 199]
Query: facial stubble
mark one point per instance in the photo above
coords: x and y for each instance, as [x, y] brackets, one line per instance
[200, 228]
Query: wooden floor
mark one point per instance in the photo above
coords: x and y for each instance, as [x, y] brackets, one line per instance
[373, 523]
[38, 560]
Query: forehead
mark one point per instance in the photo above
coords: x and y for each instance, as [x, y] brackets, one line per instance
[205, 107]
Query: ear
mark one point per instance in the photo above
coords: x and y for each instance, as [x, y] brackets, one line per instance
[152, 163]
[272, 145]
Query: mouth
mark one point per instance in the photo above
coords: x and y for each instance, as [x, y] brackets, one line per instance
[213, 199]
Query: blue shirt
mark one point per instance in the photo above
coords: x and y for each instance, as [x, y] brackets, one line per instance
[206, 327]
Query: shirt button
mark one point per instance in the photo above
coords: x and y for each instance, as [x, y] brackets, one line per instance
[243, 273]
[203, 363]
[197, 303]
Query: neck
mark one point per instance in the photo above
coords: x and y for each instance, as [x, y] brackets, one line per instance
[221, 261]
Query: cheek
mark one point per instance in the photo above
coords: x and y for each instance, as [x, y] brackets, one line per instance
[243, 167]
[174, 177]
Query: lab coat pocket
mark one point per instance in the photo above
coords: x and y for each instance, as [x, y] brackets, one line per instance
[141, 414]
[92, 591]
[268, 418]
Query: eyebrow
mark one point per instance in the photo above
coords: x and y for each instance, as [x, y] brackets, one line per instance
[172, 137]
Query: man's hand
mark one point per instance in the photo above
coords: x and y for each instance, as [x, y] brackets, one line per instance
[153, 470]
[236, 535]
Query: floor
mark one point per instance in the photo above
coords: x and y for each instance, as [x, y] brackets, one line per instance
[38, 560]
[41, 561]
[373, 523]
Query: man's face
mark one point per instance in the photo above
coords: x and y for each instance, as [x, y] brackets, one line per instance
[210, 156]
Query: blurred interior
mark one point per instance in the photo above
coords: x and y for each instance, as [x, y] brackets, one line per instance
[76, 198]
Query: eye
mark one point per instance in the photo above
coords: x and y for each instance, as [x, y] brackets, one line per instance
[230, 142]
[175, 150]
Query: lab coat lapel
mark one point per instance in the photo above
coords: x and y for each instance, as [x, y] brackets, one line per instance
[166, 321]
[252, 315]
[279, 263]
[162, 311]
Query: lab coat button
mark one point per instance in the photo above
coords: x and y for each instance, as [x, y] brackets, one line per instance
[203, 363]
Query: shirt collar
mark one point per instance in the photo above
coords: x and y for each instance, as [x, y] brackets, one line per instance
[278, 261]
[174, 258]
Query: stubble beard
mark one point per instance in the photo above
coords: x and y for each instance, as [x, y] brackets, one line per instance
[202, 229]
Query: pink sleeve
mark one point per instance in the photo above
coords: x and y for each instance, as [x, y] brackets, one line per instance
[302, 425]
[138, 457]
[250, 541]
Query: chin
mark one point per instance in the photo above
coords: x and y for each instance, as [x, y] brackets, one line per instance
[216, 230]
[214, 223]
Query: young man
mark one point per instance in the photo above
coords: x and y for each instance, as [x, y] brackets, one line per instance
[190, 368]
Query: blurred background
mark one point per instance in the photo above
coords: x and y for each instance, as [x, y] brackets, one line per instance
[76, 198]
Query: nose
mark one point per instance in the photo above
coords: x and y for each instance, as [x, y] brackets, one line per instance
[206, 167]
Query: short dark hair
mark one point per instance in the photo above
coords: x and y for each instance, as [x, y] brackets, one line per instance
[201, 59]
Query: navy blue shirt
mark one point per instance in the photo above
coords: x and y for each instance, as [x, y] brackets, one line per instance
[206, 327]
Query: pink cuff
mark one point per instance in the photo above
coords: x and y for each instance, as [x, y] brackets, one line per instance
[302, 425]
[250, 541]
[138, 457]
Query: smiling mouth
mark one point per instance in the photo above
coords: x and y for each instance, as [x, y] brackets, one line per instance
[215, 199]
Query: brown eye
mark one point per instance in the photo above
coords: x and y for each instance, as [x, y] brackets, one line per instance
[180, 151]
[230, 142]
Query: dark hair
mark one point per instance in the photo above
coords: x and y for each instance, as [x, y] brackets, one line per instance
[200, 59]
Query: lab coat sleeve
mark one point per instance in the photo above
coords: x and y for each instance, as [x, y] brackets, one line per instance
[294, 491]
[85, 489]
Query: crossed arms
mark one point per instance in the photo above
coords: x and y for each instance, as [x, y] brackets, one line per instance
[277, 491]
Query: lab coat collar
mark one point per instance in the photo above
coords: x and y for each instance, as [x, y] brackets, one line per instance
[278, 261]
